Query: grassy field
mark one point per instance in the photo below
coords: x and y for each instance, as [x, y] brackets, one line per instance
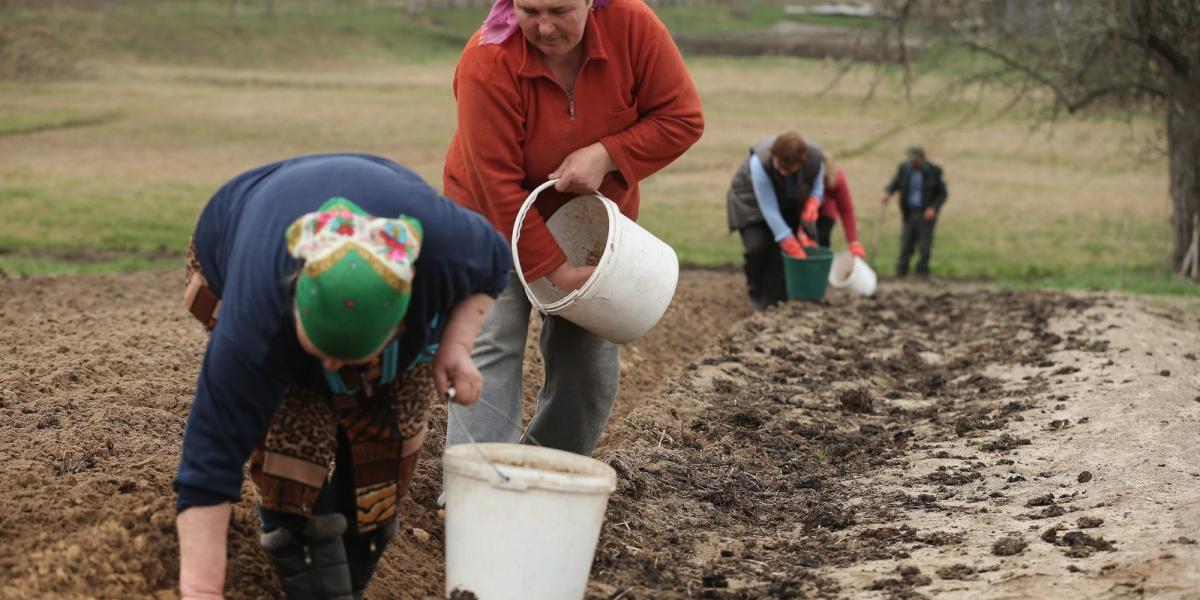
[108, 170]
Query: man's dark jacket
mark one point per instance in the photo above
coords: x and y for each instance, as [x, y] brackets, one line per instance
[933, 188]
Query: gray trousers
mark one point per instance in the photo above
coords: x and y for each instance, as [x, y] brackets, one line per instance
[916, 232]
[583, 372]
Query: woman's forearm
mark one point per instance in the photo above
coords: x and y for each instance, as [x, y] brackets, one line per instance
[466, 319]
[203, 534]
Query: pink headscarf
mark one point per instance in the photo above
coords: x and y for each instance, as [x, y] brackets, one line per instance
[502, 21]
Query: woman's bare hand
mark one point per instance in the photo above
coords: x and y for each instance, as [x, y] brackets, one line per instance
[583, 170]
[569, 278]
[453, 368]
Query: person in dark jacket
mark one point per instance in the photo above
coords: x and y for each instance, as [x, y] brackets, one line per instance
[342, 295]
[780, 185]
[922, 195]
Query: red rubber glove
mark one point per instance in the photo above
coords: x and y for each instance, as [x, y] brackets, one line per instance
[805, 241]
[812, 210]
[858, 250]
[792, 248]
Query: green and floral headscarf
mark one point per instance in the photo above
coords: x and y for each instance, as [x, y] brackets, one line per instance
[355, 285]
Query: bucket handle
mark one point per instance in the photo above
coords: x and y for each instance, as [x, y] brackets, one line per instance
[505, 480]
[516, 235]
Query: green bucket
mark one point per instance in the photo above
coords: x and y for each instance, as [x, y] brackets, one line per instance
[807, 277]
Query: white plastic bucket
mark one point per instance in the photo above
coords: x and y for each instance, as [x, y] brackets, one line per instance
[636, 273]
[853, 273]
[531, 536]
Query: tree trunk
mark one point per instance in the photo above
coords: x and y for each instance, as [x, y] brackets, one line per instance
[1183, 147]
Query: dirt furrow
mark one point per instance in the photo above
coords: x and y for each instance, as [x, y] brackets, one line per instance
[910, 446]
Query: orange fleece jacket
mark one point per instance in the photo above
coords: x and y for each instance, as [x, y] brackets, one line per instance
[516, 124]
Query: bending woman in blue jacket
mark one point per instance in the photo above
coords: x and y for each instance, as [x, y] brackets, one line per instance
[343, 295]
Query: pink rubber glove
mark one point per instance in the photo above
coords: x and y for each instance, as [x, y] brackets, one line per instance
[812, 210]
[792, 248]
[805, 241]
[858, 250]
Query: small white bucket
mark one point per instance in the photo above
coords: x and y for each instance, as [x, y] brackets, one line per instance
[853, 273]
[636, 273]
[530, 534]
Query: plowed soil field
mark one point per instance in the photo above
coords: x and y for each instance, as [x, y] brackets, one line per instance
[935, 441]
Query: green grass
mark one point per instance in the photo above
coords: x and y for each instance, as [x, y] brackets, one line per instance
[1096, 253]
[1149, 281]
[684, 19]
[203, 33]
[842, 21]
[108, 171]
[700, 237]
[1137, 265]
[88, 225]
[25, 265]
[708, 18]
[33, 121]
[289, 39]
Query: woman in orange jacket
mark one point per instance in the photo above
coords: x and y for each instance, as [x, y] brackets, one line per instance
[593, 93]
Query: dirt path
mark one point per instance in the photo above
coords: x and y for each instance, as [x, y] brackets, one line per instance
[921, 445]
[813, 451]
[1113, 453]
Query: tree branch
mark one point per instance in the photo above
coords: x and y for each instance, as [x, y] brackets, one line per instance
[1064, 99]
[1019, 67]
[1109, 90]
[903, 23]
[1179, 63]
[1155, 45]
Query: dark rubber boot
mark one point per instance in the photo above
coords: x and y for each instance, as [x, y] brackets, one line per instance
[364, 552]
[312, 565]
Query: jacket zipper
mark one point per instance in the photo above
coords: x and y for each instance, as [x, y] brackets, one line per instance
[571, 94]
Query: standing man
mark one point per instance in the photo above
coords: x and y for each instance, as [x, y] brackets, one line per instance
[922, 194]
[780, 185]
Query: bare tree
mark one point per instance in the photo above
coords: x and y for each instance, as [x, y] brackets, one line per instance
[1134, 54]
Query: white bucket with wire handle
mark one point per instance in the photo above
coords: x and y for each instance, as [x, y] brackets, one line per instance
[635, 274]
[851, 272]
[522, 521]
